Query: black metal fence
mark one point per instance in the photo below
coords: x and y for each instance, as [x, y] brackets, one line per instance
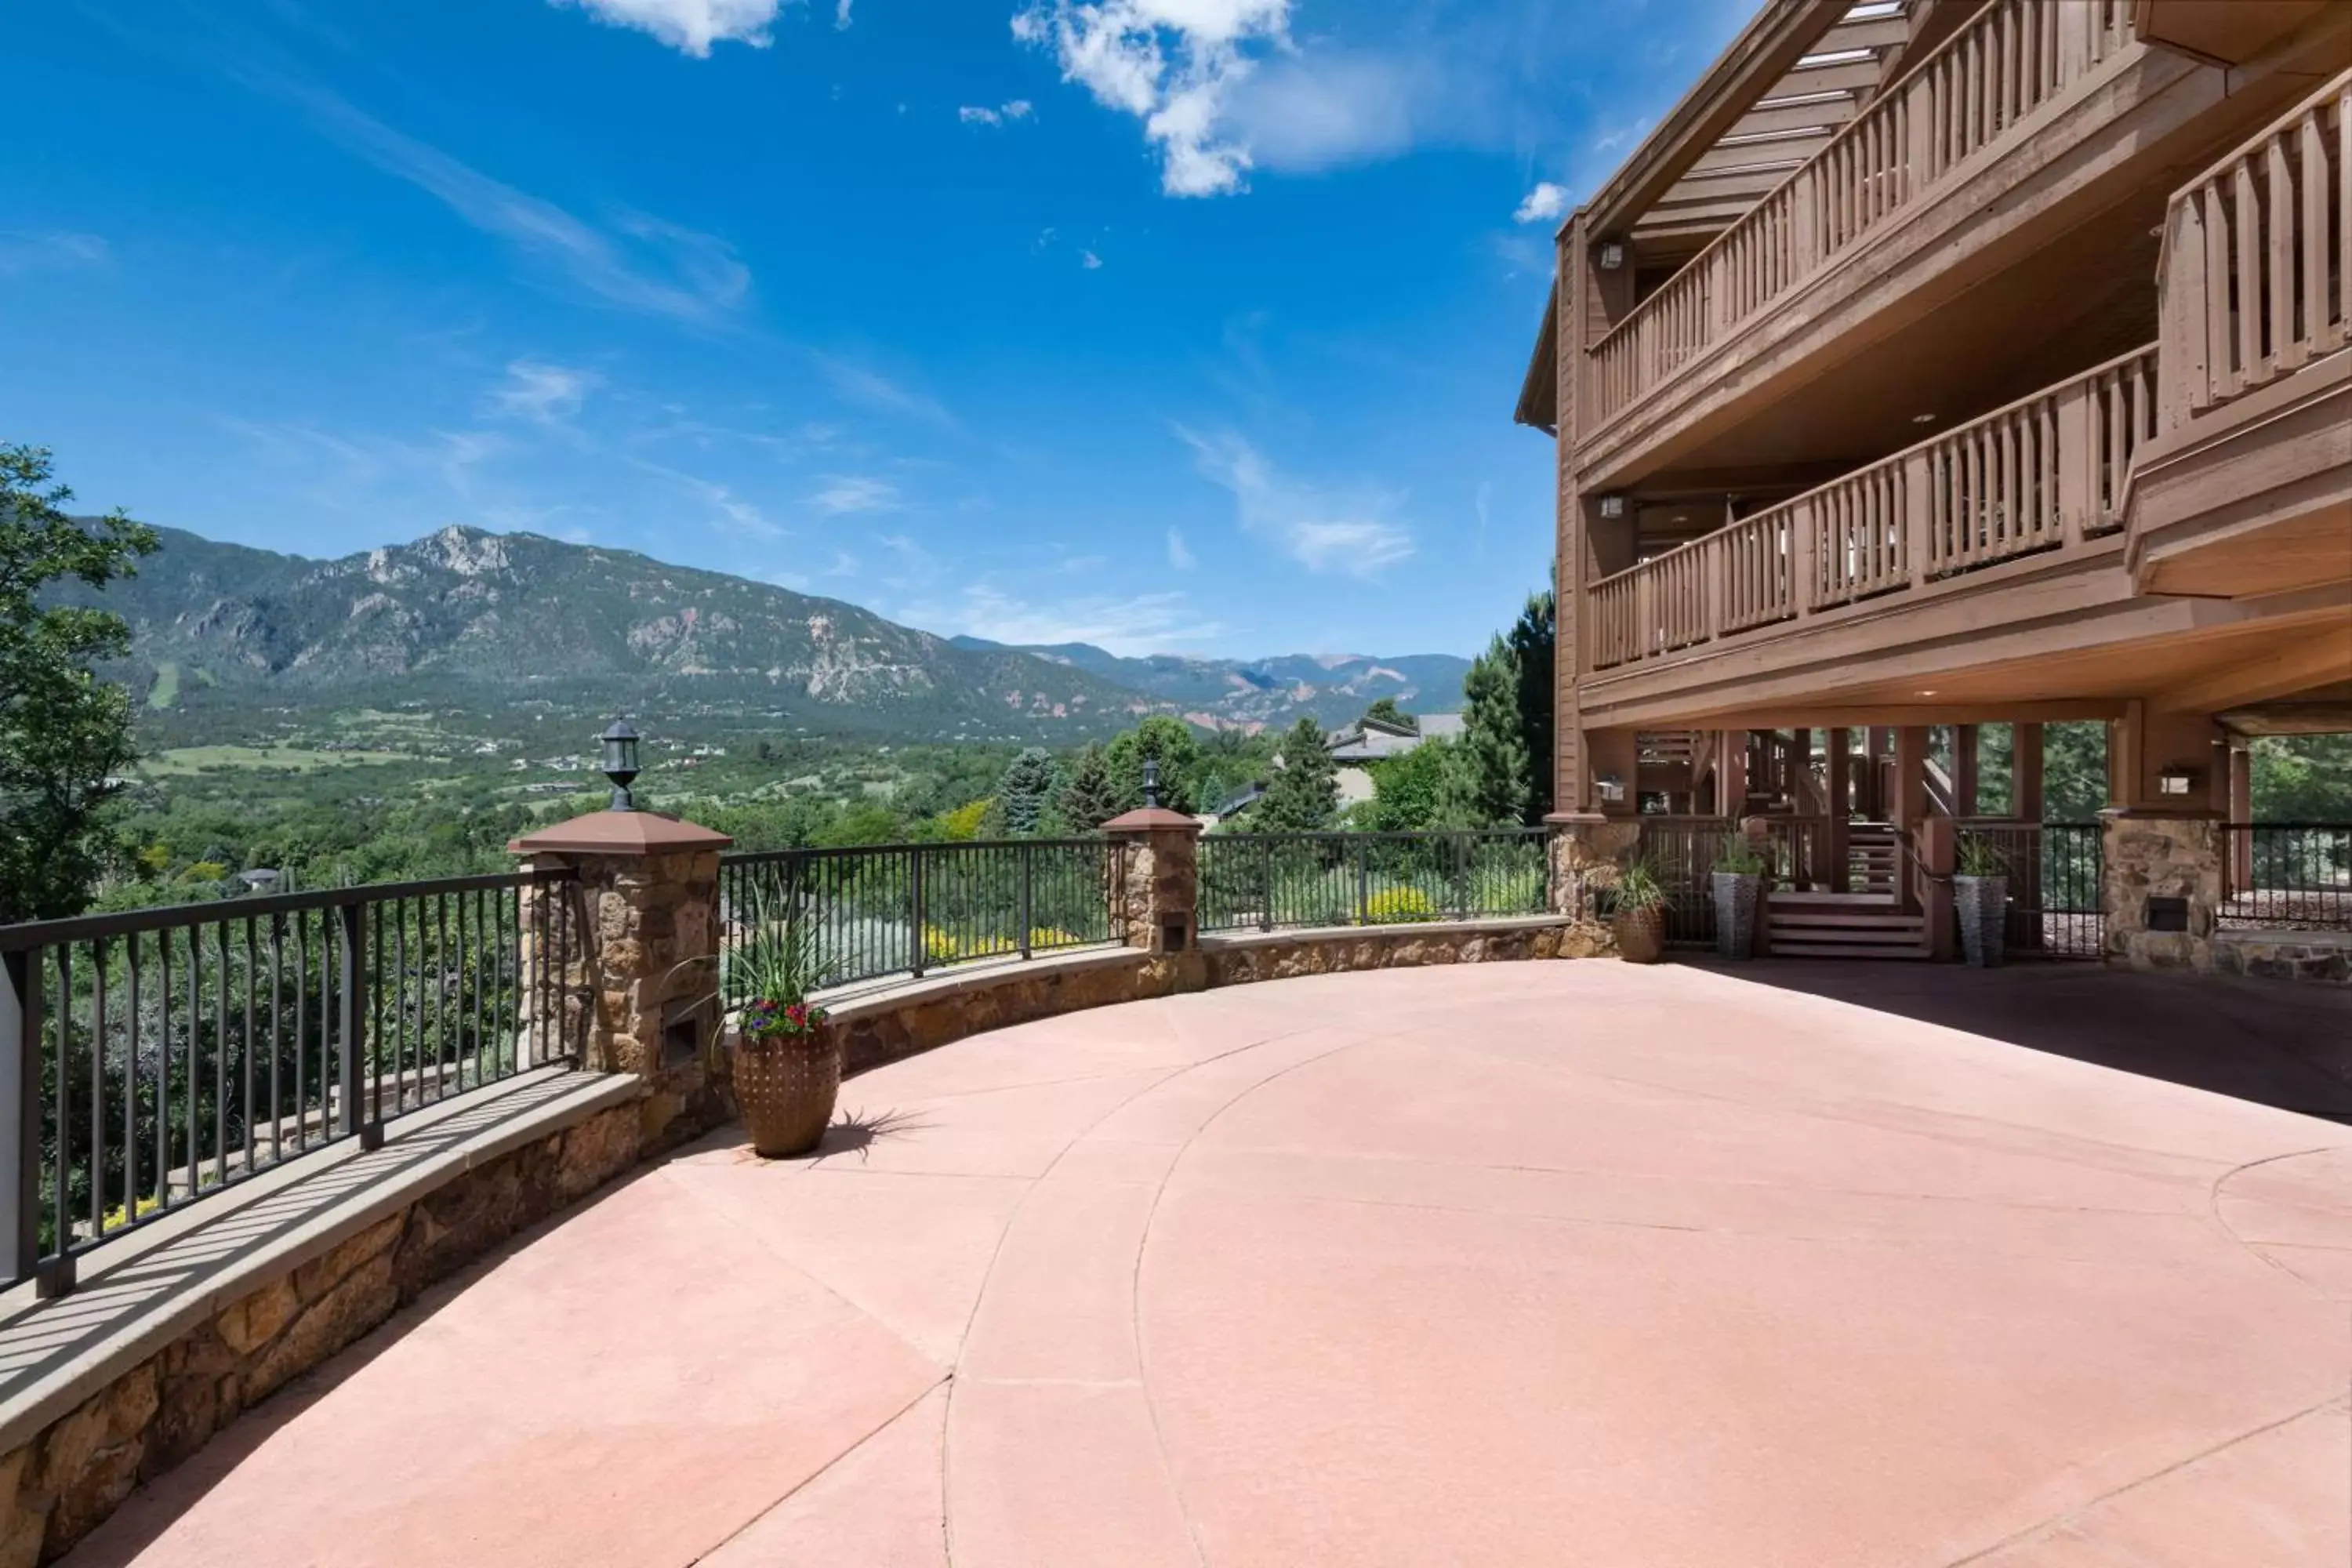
[2292, 874]
[159, 1057]
[2055, 871]
[1267, 881]
[905, 908]
[1682, 852]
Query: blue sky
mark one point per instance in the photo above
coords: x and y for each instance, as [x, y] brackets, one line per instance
[1171, 325]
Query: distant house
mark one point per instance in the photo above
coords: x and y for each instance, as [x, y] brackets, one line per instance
[1354, 750]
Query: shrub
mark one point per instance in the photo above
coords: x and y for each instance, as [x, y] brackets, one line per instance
[1398, 906]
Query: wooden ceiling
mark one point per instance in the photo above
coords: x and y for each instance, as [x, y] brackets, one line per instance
[1792, 120]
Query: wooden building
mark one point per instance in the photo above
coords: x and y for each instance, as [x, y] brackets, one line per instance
[1943, 363]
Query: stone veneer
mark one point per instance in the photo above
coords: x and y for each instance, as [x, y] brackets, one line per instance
[58, 1486]
[2152, 856]
[2277, 954]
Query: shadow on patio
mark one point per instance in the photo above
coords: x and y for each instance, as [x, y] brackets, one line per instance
[2270, 1042]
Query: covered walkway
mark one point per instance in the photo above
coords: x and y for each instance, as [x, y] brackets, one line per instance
[1517, 1264]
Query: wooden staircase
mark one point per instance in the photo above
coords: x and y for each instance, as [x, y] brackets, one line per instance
[1873, 858]
[1843, 925]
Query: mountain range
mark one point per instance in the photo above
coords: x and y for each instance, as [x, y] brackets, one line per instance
[492, 621]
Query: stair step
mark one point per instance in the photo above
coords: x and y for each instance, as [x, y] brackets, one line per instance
[1837, 903]
[1868, 924]
[1811, 950]
[1844, 940]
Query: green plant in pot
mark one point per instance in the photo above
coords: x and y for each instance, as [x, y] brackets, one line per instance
[1638, 915]
[787, 1059]
[1738, 887]
[1980, 901]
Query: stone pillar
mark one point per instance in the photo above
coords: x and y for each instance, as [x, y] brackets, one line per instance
[1155, 878]
[1583, 856]
[622, 949]
[2161, 887]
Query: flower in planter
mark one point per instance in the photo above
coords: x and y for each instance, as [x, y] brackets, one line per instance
[768, 1019]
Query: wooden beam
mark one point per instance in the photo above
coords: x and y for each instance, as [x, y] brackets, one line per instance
[2319, 659]
[1765, 52]
[2289, 718]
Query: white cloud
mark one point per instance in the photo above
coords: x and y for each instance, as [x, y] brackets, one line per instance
[1173, 64]
[640, 262]
[844, 493]
[22, 252]
[543, 393]
[692, 26]
[1178, 555]
[1003, 113]
[872, 389]
[1356, 535]
[1143, 623]
[1089, 261]
[1547, 203]
[841, 16]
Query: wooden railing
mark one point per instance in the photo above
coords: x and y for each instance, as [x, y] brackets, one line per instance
[2043, 473]
[2257, 274]
[1972, 91]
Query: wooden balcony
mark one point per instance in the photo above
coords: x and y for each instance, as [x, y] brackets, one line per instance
[1982, 87]
[2248, 487]
[2043, 476]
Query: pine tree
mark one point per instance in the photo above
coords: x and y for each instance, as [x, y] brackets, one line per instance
[1532, 640]
[1304, 796]
[1026, 789]
[1166, 740]
[1088, 798]
[1386, 712]
[1491, 784]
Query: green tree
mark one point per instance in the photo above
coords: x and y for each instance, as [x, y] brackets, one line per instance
[1532, 638]
[1169, 742]
[64, 733]
[2073, 771]
[1490, 784]
[1304, 796]
[2302, 778]
[1411, 791]
[1088, 798]
[1386, 711]
[1027, 789]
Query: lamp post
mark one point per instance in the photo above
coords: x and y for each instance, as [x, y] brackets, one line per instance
[1150, 783]
[621, 763]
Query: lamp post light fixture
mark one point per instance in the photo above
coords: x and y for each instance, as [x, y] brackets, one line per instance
[621, 763]
[1151, 783]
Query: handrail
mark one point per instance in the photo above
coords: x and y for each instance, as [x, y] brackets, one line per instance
[1965, 95]
[2045, 472]
[2247, 294]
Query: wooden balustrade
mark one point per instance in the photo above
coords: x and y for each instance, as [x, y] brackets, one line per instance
[1972, 91]
[2257, 271]
[2044, 473]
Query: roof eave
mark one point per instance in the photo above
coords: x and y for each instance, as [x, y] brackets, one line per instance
[1539, 393]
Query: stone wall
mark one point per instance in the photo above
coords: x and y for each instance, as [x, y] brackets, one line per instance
[2154, 856]
[60, 1485]
[2320, 955]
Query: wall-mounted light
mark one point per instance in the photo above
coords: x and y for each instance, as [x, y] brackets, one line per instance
[2176, 781]
[1612, 505]
[1612, 256]
[1610, 787]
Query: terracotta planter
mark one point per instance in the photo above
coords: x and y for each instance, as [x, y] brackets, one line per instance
[1641, 934]
[786, 1088]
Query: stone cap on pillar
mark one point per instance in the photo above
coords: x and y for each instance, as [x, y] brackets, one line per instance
[1151, 819]
[1573, 819]
[619, 833]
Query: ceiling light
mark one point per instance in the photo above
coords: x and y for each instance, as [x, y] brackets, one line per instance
[1923, 419]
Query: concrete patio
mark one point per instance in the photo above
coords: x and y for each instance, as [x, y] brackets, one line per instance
[1530, 1263]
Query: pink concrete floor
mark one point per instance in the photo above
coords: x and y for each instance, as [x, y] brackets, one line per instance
[1542, 1264]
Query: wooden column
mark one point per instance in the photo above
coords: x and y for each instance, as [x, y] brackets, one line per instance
[1878, 744]
[1964, 770]
[1909, 806]
[1839, 763]
[2025, 773]
[1731, 774]
[1611, 753]
[2238, 863]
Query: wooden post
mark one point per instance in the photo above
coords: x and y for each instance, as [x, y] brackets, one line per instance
[1910, 803]
[1964, 770]
[2237, 863]
[2025, 772]
[2078, 462]
[1935, 840]
[1731, 774]
[1840, 791]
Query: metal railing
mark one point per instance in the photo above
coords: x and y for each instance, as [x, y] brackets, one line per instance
[906, 909]
[2055, 871]
[157, 1057]
[2257, 270]
[1682, 852]
[2044, 473]
[1974, 90]
[1270, 881]
[2294, 876]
